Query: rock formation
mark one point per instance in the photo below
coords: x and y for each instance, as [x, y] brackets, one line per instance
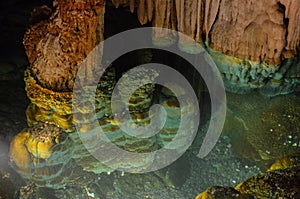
[280, 181]
[258, 38]
[253, 43]
[57, 46]
[247, 37]
[244, 30]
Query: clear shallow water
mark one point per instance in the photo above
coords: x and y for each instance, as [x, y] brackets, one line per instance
[223, 165]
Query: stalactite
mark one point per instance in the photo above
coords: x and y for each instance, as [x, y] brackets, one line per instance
[188, 24]
[150, 9]
[132, 5]
[145, 10]
[116, 3]
[179, 5]
[164, 17]
[211, 11]
[244, 30]
[199, 20]
[292, 14]
[142, 12]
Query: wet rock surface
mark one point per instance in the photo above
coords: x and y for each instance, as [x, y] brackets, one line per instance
[282, 183]
[243, 76]
[279, 182]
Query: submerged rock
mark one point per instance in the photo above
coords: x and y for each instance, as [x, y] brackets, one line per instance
[290, 161]
[279, 182]
[263, 129]
[42, 159]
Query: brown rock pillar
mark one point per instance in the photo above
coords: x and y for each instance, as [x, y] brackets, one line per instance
[56, 47]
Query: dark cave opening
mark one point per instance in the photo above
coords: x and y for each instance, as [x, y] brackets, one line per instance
[121, 19]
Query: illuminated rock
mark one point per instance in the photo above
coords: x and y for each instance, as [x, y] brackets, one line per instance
[19, 153]
[254, 44]
[42, 154]
[47, 105]
[286, 162]
[55, 47]
[269, 26]
[280, 181]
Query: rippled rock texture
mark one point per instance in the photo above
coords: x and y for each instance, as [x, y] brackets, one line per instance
[51, 152]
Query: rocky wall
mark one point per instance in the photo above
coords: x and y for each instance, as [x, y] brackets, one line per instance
[265, 31]
[263, 36]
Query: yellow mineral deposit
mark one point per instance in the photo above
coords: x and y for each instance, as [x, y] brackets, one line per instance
[19, 153]
[34, 144]
[38, 148]
[286, 162]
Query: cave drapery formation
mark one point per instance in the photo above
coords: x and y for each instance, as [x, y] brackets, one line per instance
[253, 47]
[254, 44]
